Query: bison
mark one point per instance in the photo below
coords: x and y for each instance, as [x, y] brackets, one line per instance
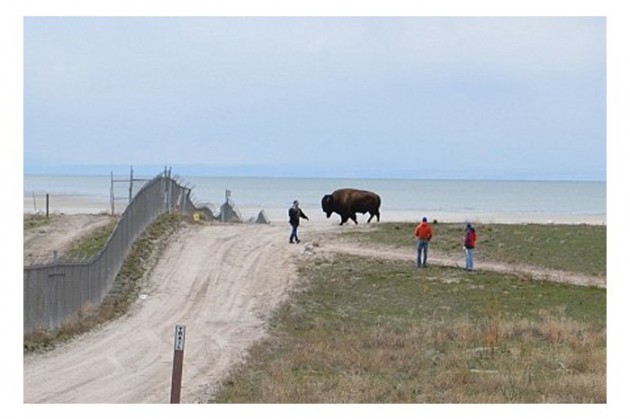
[347, 202]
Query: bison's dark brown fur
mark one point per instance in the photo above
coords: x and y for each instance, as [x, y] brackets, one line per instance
[347, 202]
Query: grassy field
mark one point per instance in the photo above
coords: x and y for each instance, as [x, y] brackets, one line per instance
[378, 331]
[572, 248]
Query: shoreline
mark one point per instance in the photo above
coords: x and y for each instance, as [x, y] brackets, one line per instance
[83, 204]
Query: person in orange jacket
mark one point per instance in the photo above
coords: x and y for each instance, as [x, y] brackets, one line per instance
[424, 234]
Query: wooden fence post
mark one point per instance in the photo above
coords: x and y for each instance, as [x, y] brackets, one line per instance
[178, 363]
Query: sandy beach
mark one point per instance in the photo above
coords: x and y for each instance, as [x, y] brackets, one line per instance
[69, 204]
[76, 204]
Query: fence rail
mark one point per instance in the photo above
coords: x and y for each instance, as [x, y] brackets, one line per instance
[56, 291]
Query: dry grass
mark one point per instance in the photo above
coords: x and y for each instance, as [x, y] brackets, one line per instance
[367, 331]
[440, 363]
[32, 221]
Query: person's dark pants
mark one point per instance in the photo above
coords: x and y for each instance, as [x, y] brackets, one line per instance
[294, 236]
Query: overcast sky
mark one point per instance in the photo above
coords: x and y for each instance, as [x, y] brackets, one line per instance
[414, 97]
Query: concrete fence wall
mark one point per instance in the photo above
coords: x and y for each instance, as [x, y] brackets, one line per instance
[55, 292]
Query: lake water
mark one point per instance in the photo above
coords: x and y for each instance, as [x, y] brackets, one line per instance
[402, 200]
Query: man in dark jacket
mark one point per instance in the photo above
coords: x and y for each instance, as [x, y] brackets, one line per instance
[295, 213]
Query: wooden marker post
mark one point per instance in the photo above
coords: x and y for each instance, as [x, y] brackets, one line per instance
[178, 363]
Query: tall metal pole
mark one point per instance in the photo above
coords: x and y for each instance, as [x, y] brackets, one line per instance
[111, 193]
[131, 184]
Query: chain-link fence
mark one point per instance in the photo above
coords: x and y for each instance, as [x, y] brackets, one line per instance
[55, 292]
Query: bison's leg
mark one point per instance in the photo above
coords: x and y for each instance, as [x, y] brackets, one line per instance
[370, 219]
[354, 218]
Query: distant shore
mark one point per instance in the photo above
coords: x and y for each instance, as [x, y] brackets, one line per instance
[81, 204]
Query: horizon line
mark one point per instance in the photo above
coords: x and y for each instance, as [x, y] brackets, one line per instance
[207, 171]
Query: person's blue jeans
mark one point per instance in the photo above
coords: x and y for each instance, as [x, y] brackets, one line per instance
[423, 249]
[469, 259]
[293, 236]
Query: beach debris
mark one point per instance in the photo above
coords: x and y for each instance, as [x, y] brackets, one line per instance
[262, 218]
[229, 213]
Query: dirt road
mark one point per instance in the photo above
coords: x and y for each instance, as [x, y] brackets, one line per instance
[440, 259]
[222, 282]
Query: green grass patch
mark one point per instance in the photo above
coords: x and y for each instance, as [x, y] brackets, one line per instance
[572, 248]
[379, 331]
[90, 245]
[33, 221]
